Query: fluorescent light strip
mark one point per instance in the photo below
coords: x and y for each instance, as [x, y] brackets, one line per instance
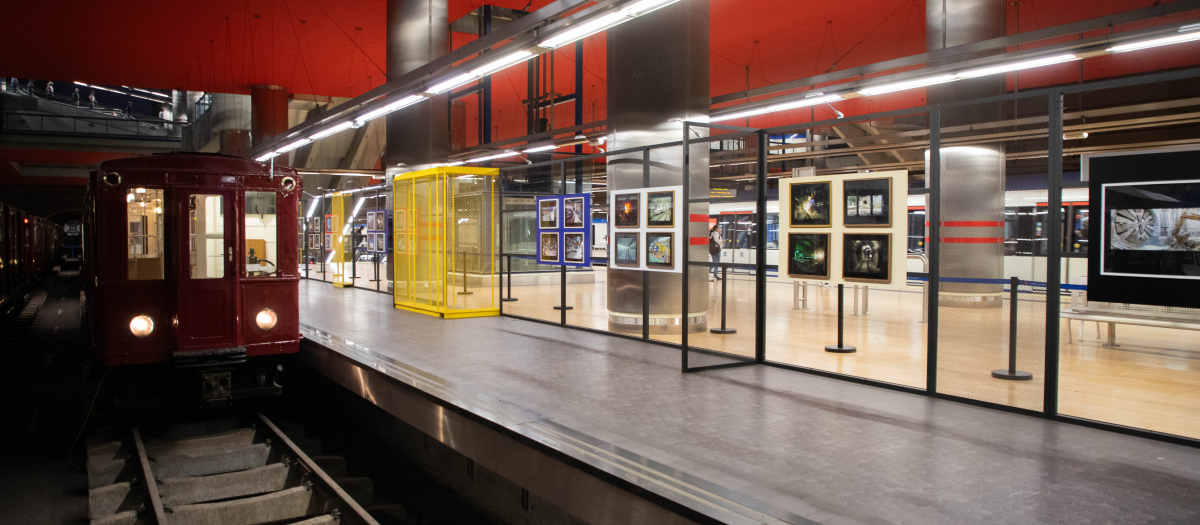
[547, 147]
[336, 129]
[451, 84]
[1137, 46]
[268, 156]
[490, 157]
[908, 84]
[312, 208]
[646, 6]
[585, 29]
[292, 146]
[402, 103]
[515, 58]
[1017, 66]
[778, 107]
[357, 207]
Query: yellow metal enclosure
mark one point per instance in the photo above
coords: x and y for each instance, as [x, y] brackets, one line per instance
[445, 242]
[341, 255]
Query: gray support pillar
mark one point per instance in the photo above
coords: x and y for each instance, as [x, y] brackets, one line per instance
[972, 178]
[418, 31]
[658, 73]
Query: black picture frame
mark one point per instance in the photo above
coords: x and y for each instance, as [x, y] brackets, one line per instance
[867, 258]
[876, 194]
[656, 241]
[810, 204]
[626, 210]
[624, 245]
[808, 255]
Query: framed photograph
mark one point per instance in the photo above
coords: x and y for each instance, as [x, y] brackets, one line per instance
[413, 245]
[380, 221]
[548, 214]
[548, 249]
[660, 250]
[381, 242]
[370, 242]
[328, 241]
[660, 209]
[810, 205]
[1152, 230]
[866, 257]
[370, 220]
[401, 220]
[573, 248]
[627, 251]
[401, 244]
[329, 224]
[868, 203]
[574, 212]
[627, 210]
[808, 255]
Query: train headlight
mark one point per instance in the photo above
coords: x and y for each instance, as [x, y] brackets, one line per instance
[266, 319]
[141, 326]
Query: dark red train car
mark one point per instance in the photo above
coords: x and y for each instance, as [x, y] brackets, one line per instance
[192, 274]
[27, 245]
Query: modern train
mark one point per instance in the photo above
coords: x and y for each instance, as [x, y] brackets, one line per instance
[192, 276]
[27, 245]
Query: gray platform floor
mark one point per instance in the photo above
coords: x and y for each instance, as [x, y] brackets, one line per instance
[827, 450]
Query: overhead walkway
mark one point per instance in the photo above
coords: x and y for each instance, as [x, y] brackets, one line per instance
[26, 118]
[739, 445]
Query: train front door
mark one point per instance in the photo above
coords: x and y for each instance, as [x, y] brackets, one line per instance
[206, 307]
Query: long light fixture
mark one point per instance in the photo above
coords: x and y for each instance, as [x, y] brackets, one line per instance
[536, 149]
[490, 157]
[312, 208]
[331, 131]
[388, 108]
[266, 156]
[454, 82]
[907, 84]
[591, 27]
[1017, 66]
[803, 103]
[515, 58]
[293, 145]
[1188, 33]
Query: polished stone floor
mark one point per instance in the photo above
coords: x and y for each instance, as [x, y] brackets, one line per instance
[823, 450]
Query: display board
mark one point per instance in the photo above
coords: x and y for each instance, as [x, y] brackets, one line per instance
[377, 230]
[564, 229]
[850, 229]
[647, 229]
[1148, 208]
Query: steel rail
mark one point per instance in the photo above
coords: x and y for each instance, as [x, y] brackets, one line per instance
[148, 479]
[347, 502]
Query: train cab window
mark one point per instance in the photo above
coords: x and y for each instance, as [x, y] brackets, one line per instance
[146, 231]
[206, 229]
[261, 228]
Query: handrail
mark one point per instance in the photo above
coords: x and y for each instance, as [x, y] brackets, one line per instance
[111, 126]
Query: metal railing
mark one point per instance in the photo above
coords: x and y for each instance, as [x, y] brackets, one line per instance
[42, 123]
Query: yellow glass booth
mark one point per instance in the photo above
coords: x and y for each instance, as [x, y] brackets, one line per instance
[444, 242]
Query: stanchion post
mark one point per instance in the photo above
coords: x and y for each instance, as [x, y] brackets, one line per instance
[1012, 374]
[840, 348]
[464, 276]
[724, 281]
[510, 298]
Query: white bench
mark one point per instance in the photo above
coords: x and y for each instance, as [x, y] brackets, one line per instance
[1113, 314]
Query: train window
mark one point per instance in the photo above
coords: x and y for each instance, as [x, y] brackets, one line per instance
[261, 228]
[146, 231]
[207, 236]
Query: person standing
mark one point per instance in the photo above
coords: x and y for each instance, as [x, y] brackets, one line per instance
[92, 99]
[129, 109]
[714, 249]
[29, 87]
[75, 97]
[49, 90]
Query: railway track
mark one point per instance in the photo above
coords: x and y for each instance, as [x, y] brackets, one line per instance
[249, 475]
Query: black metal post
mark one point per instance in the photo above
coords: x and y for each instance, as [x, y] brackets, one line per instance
[1012, 374]
[464, 276]
[724, 281]
[1053, 275]
[760, 249]
[645, 274]
[510, 297]
[562, 281]
[933, 214]
[840, 348]
[685, 244]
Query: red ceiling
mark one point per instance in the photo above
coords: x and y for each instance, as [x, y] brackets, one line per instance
[337, 48]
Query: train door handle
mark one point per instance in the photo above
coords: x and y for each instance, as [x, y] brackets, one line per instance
[230, 254]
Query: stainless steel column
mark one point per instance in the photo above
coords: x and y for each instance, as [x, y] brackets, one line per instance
[658, 76]
[418, 31]
[972, 177]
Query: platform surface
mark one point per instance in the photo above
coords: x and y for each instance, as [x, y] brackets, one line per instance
[798, 447]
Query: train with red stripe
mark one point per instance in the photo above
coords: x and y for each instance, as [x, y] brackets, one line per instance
[192, 276]
[28, 244]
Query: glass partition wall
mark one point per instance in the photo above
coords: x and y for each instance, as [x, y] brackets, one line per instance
[965, 276]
